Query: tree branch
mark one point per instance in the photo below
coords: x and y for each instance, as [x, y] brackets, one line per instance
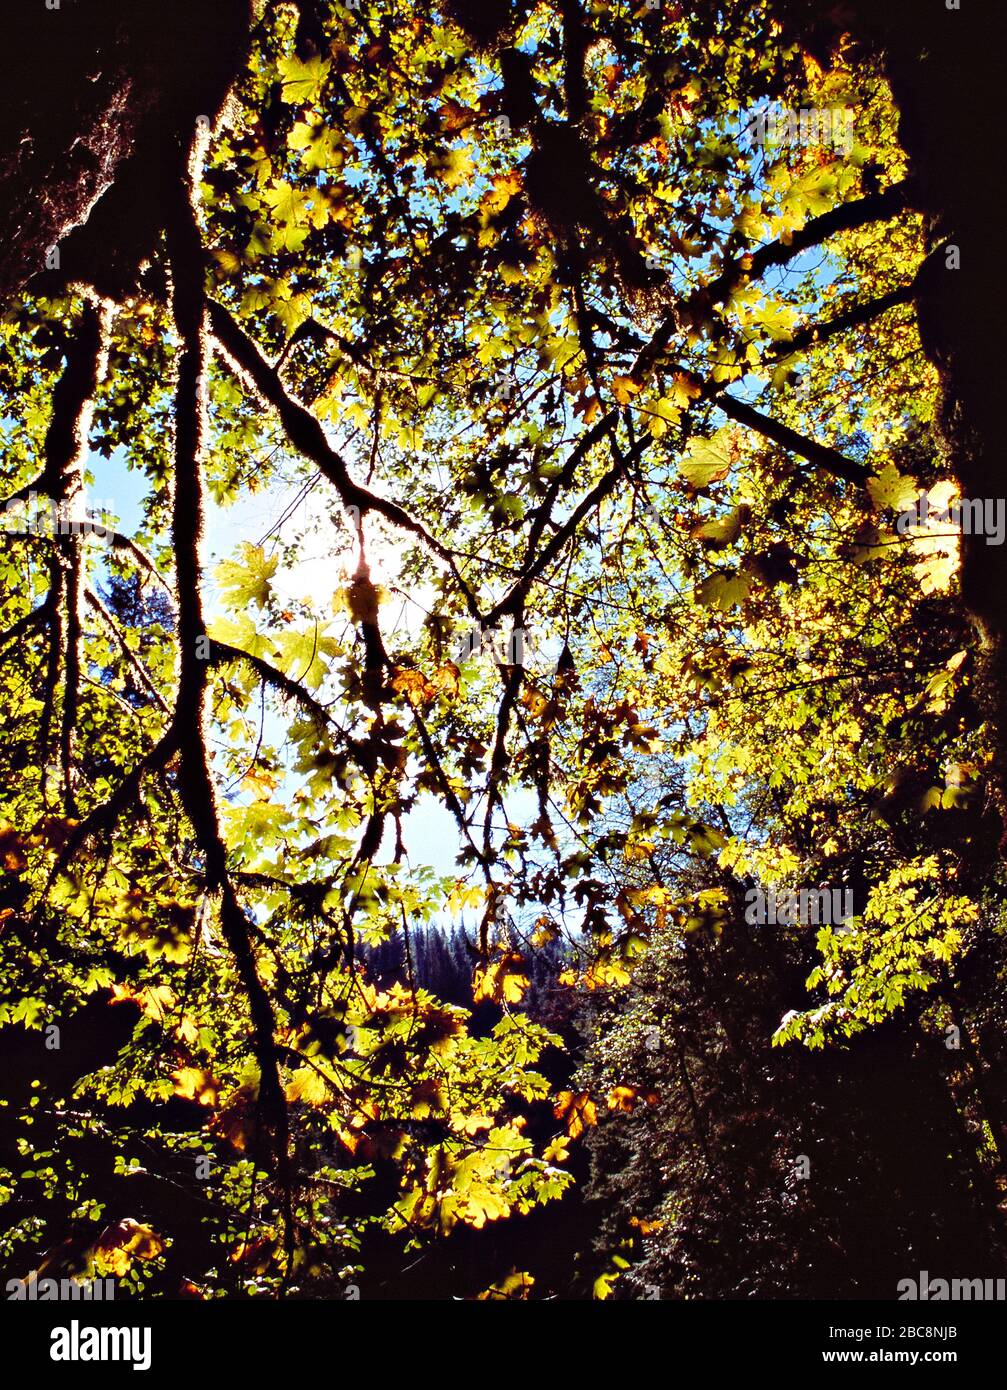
[307, 436]
[137, 666]
[188, 309]
[843, 218]
[814, 333]
[820, 454]
[222, 652]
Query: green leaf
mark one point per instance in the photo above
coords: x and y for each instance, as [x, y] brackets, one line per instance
[302, 82]
[706, 460]
[246, 580]
[723, 590]
[721, 532]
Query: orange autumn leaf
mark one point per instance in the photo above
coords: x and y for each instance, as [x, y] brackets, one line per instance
[579, 1111]
[622, 1098]
[254, 1255]
[445, 679]
[624, 388]
[123, 1242]
[413, 684]
[235, 1123]
[503, 188]
[12, 855]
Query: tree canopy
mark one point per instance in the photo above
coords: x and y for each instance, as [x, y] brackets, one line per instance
[585, 418]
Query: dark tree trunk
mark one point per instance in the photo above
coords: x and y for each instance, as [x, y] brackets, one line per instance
[946, 69]
[101, 101]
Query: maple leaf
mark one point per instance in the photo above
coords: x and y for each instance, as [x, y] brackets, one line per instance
[624, 388]
[446, 679]
[501, 981]
[302, 82]
[622, 1098]
[123, 1242]
[413, 684]
[605, 973]
[235, 1122]
[307, 1084]
[662, 414]
[683, 389]
[502, 190]
[891, 489]
[453, 167]
[724, 590]
[193, 1083]
[578, 1110]
[260, 782]
[557, 1150]
[706, 460]
[246, 580]
[723, 531]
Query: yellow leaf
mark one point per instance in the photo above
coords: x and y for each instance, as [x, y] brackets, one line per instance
[723, 531]
[557, 1150]
[623, 388]
[892, 489]
[453, 167]
[606, 973]
[501, 981]
[472, 1124]
[683, 390]
[662, 414]
[706, 460]
[187, 1030]
[307, 1084]
[499, 195]
[122, 1243]
[193, 1083]
[516, 1285]
[935, 572]
[445, 679]
[302, 81]
[259, 782]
